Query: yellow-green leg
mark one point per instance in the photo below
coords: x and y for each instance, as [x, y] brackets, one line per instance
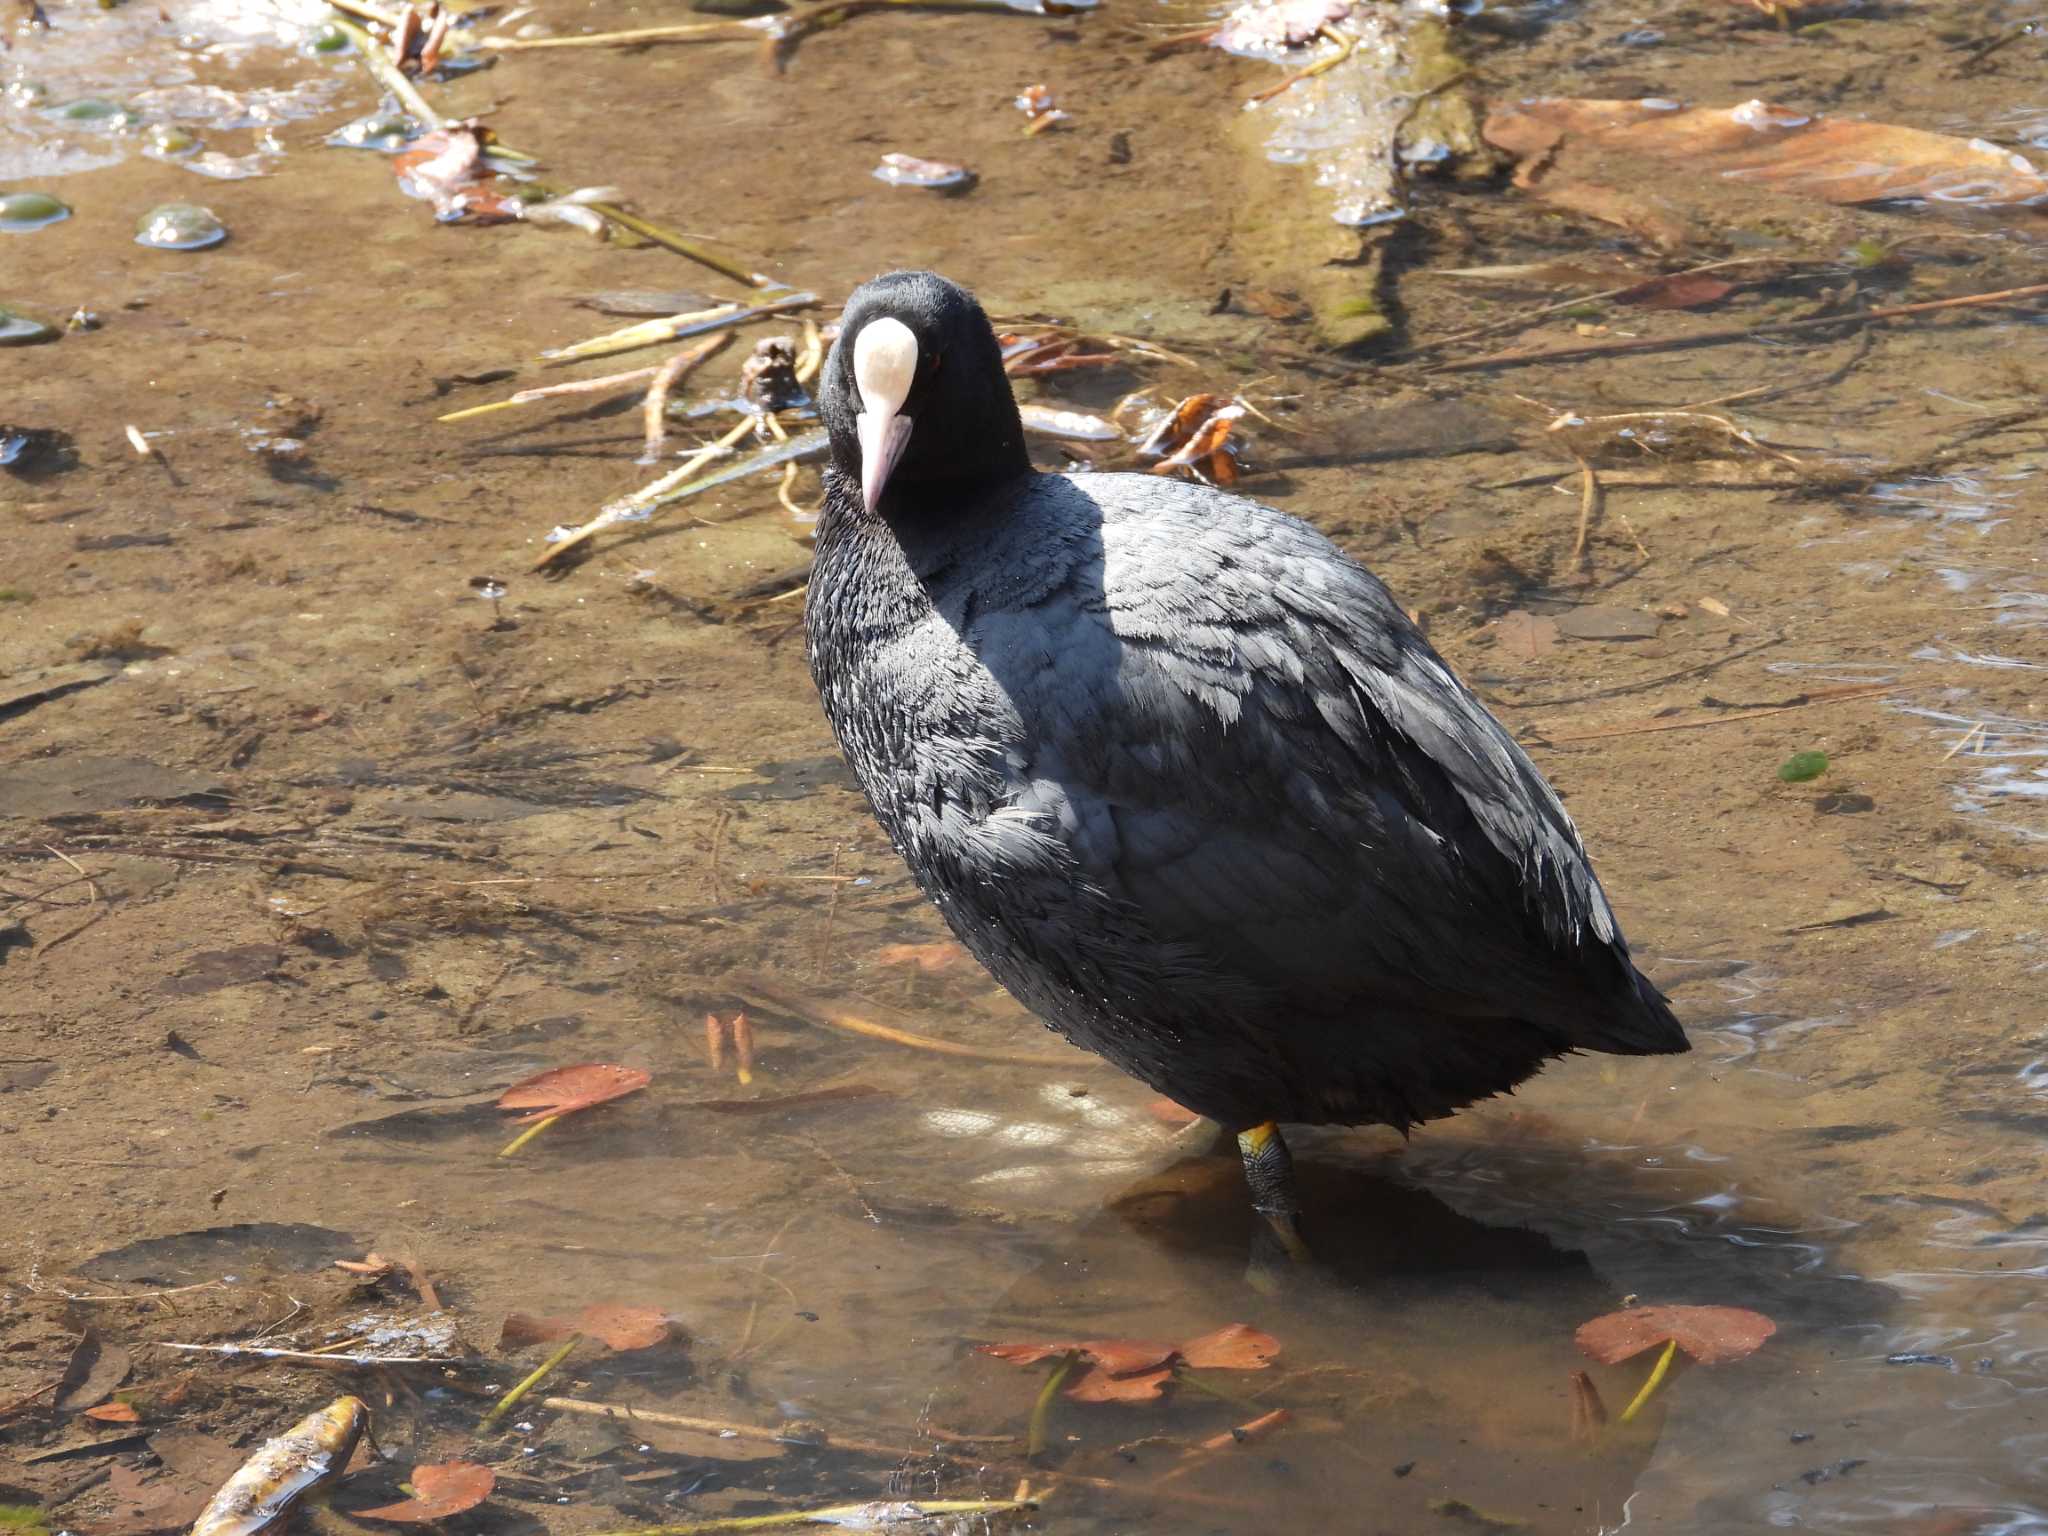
[1269, 1171]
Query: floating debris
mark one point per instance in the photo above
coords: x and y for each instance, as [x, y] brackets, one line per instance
[1040, 110]
[448, 167]
[1075, 426]
[573, 210]
[21, 212]
[312, 1452]
[1803, 767]
[768, 380]
[19, 330]
[492, 591]
[931, 175]
[1195, 435]
[180, 227]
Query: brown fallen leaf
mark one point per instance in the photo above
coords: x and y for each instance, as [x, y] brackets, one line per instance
[1529, 636]
[1606, 622]
[565, 1090]
[1625, 210]
[1838, 160]
[1166, 1112]
[96, 1367]
[614, 1326]
[1101, 1387]
[929, 958]
[1710, 1335]
[1784, 12]
[444, 1489]
[115, 1413]
[1680, 290]
[1233, 1347]
[1135, 1371]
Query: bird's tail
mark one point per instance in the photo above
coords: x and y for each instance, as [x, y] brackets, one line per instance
[1639, 1022]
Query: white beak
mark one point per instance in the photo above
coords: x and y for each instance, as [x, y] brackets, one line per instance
[884, 367]
[882, 441]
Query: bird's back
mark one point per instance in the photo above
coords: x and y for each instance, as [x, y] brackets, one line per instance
[1188, 781]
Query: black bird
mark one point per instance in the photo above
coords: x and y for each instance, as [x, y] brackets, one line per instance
[1181, 774]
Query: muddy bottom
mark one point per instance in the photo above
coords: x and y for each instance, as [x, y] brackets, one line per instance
[308, 850]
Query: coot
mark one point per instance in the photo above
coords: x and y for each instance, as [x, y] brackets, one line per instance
[1181, 774]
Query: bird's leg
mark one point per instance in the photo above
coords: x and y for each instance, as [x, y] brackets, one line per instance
[1269, 1171]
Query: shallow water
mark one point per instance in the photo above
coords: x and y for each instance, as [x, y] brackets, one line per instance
[361, 849]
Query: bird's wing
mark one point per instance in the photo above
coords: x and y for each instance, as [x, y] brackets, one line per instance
[1251, 743]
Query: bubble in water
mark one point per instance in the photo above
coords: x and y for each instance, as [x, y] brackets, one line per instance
[914, 171]
[18, 330]
[388, 132]
[180, 227]
[97, 112]
[169, 141]
[21, 212]
[329, 39]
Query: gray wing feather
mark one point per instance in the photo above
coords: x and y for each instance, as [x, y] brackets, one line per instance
[1252, 744]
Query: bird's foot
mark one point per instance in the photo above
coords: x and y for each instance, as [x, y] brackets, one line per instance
[1277, 1243]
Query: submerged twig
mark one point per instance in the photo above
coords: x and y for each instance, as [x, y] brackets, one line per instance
[1039, 1434]
[533, 1130]
[815, 1440]
[1589, 503]
[389, 75]
[833, 1015]
[264, 1352]
[547, 1366]
[1247, 1433]
[1739, 333]
[674, 371]
[861, 1517]
[611, 381]
[1657, 1374]
[1531, 316]
[652, 333]
[1725, 717]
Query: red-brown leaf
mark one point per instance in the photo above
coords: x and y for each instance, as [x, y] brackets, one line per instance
[624, 1327]
[1233, 1347]
[565, 1090]
[1681, 290]
[1102, 1387]
[614, 1326]
[1711, 1335]
[115, 1413]
[523, 1328]
[1839, 160]
[930, 958]
[438, 1492]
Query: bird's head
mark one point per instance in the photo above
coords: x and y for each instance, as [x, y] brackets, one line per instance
[914, 394]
